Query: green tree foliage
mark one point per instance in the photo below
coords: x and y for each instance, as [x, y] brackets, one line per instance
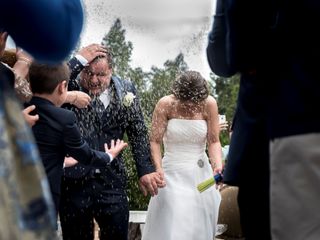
[139, 78]
[136, 199]
[226, 93]
[161, 80]
[121, 49]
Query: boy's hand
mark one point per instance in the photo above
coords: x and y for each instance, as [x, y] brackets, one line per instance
[69, 162]
[115, 147]
[78, 99]
[92, 51]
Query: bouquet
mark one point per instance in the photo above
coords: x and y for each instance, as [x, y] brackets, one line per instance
[209, 182]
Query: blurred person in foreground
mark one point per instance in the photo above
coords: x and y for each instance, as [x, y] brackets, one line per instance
[287, 74]
[26, 210]
[233, 48]
[186, 122]
[292, 66]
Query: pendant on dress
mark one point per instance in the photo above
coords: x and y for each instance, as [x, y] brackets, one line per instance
[200, 163]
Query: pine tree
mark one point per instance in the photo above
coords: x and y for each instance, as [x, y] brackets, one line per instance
[121, 49]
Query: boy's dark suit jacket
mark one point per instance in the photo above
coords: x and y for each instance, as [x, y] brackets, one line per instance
[57, 135]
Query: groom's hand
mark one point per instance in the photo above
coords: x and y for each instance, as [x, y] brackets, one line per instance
[115, 147]
[92, 51]
[148, 184]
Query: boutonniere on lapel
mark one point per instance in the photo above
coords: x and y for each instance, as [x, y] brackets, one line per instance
[128, 99]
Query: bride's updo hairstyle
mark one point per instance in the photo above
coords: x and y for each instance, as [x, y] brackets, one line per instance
[190, 86]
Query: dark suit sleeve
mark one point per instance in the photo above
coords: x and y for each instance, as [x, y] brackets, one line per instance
[55, 25]
[77, 148]
[219, 46]
[137, 133]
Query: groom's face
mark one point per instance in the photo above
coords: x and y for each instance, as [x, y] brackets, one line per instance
[96, 77]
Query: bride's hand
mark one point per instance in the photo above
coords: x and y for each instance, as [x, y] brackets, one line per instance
[218, 170]
[148, 184]
[160, 181]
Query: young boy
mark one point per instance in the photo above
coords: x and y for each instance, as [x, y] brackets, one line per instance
[56, 132]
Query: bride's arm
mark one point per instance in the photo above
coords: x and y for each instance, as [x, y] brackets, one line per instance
[158, 127]
[214, 146]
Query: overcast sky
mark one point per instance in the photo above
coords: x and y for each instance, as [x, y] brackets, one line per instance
[158, 29]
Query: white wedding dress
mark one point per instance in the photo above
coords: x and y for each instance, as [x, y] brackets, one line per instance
[179, 211]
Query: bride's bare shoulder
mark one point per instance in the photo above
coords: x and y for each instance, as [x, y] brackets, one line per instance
[166, 101]
[210, 101]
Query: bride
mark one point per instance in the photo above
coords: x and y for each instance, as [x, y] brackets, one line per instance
[187, 123]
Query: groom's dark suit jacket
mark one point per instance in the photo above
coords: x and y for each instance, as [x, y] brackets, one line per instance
[116, 120]
[57, 135]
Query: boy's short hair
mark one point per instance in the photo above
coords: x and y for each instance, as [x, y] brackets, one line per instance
[9, 57]
[45, 78]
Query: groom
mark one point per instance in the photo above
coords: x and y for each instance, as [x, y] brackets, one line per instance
[99, 193]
